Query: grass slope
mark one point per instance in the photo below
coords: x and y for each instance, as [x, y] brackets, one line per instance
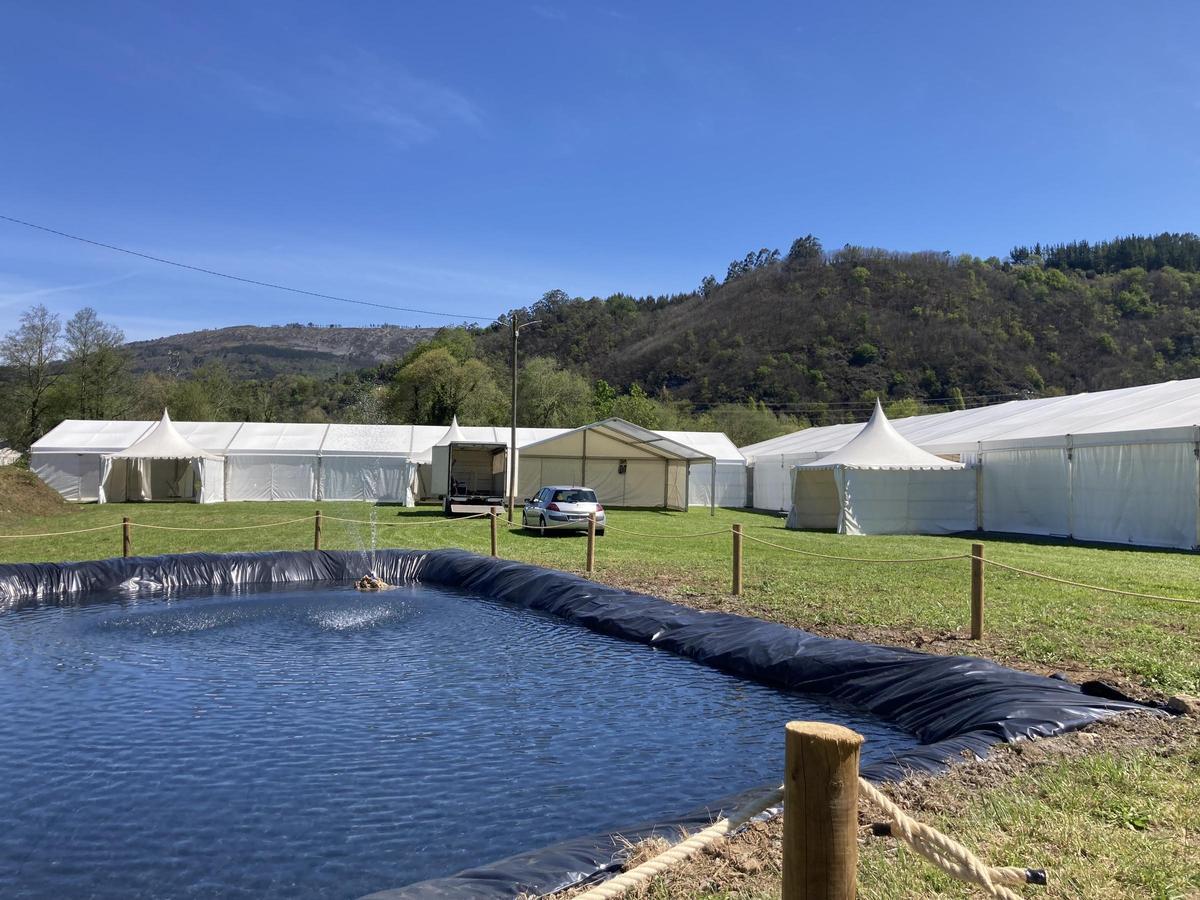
[24, 496]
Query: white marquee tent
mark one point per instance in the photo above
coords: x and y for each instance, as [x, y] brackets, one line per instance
[1117, 466]
[290, 461]
[880, 483]
[161, 465]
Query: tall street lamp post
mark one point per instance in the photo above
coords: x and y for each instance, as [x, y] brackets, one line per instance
[512, 444]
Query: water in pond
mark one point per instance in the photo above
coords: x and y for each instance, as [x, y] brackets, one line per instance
[323, 743]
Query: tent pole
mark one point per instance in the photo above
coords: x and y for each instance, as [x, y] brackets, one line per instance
[712, 497]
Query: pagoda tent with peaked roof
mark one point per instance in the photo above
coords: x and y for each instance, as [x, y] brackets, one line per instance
[881, 483]
[162, 465]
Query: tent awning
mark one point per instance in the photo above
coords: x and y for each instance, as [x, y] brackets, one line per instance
[879, 446]
[163, 441]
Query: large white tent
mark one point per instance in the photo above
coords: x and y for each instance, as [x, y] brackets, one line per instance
[293, 461]
[880, 483]
[162, 465]
[1117, 466]
[626, 464]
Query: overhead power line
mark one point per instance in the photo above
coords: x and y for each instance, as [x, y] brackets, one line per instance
[462, 317]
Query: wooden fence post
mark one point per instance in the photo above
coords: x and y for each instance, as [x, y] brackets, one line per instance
[591, 550]
[317, 531]
[977, 592]
[820, 812]
[737, 559]
[126, 537]
[493, 517]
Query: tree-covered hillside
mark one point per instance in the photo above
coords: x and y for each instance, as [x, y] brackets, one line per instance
[817, 334]
[783, 340]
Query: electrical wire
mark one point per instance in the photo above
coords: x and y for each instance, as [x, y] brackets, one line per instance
[267, 284]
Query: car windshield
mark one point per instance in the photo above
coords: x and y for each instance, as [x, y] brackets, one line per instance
[575, 496]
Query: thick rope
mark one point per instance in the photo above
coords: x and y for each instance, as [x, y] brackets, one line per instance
[226, 528]
[684, 849]
[698, 534]
[325, 518]
[1091, 587]
[944, 852]
[870, 559]
[60, 533]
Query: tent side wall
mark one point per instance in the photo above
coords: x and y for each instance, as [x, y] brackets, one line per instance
[387, 479]
[76, 476]
[731, 484]
[908, 501]
[1026, 491]
[1145, 494]
[264, 476]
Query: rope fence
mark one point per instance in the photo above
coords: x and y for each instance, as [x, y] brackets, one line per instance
[979, 562]
[868, 559]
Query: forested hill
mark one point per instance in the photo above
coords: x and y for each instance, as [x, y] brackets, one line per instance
[810, 333]
[252, 351]
[781, 341]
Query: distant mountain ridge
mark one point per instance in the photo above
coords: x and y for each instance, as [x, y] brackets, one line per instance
[262, 352]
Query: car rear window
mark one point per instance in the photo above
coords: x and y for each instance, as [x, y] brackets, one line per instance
[575, 496]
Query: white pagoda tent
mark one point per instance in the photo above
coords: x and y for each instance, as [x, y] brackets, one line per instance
[881, 483]
[162, 465]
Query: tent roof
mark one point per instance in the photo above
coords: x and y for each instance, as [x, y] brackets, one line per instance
[624, 432]
[380, 440]
[287, 438]
[879, 446]
[413, 441]
[453, 434]
[712, 443]
[95, 435]
[1129, 412]
[163, 441]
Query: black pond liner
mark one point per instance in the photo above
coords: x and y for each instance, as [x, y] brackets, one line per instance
[954, 705]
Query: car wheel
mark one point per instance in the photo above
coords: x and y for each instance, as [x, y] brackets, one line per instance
[542, 524]
[524, 520]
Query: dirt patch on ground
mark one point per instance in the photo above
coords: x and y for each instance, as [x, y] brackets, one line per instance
[22, 494]
[749, 864]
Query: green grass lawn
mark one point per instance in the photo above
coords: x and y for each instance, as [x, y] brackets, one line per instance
[1029, 622]
[1115, 823]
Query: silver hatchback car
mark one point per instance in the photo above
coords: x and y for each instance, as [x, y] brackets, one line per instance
[562, 507]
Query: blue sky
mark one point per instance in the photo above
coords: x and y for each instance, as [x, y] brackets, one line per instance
[468, 157]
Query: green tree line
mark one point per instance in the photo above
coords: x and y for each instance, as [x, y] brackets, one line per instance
[785, 340]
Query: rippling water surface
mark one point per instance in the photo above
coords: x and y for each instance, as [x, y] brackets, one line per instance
[324, 743]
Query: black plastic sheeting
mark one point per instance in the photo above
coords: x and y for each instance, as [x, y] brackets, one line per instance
[952, 704]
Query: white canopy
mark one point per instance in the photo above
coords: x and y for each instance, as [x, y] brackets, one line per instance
[879, 446]
[163, 441]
